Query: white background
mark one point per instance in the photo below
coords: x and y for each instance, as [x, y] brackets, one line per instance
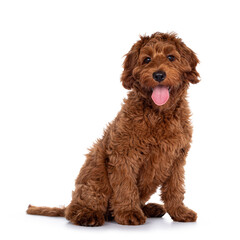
[60, 66]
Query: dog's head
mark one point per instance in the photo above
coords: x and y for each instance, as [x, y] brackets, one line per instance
[160, 67]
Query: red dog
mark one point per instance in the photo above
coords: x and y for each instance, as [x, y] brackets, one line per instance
[144, 147]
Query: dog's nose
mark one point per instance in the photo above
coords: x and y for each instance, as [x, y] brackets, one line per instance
[159, 76]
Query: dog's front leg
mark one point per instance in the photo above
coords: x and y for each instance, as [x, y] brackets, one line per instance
[125, 201]
[173, 194]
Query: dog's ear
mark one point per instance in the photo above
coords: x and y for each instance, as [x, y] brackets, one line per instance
[130, 62]
[190, 60]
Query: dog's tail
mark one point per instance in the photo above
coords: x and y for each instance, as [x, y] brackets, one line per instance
[46, 211]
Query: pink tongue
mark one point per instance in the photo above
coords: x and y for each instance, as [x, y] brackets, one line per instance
[160, 95]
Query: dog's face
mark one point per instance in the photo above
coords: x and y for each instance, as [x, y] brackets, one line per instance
[160, 67]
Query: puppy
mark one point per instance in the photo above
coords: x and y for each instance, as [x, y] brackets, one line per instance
[146, 144]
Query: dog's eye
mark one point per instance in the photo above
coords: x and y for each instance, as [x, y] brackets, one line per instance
[171, 58]
[147, 60]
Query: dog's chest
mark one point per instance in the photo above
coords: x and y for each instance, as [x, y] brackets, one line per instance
[164, 139]
[162, 134]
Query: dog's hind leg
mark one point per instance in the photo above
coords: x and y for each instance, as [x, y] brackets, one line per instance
[89, 203]
[154, 210]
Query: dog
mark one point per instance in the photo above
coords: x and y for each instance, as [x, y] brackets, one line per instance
[146, 145]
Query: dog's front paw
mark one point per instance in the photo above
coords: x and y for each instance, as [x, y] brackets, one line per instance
[183, 214]
[130, 217]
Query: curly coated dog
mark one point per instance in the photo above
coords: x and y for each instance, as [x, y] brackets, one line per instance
[146, 144]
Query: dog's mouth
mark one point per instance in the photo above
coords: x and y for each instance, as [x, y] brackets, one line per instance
[160, 94]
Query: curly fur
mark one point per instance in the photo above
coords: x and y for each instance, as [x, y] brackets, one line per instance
[143, 148]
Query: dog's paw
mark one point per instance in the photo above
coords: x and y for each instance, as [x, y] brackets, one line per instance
[183, 214]
[86, 217]
[130, 217]
[154, 210]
